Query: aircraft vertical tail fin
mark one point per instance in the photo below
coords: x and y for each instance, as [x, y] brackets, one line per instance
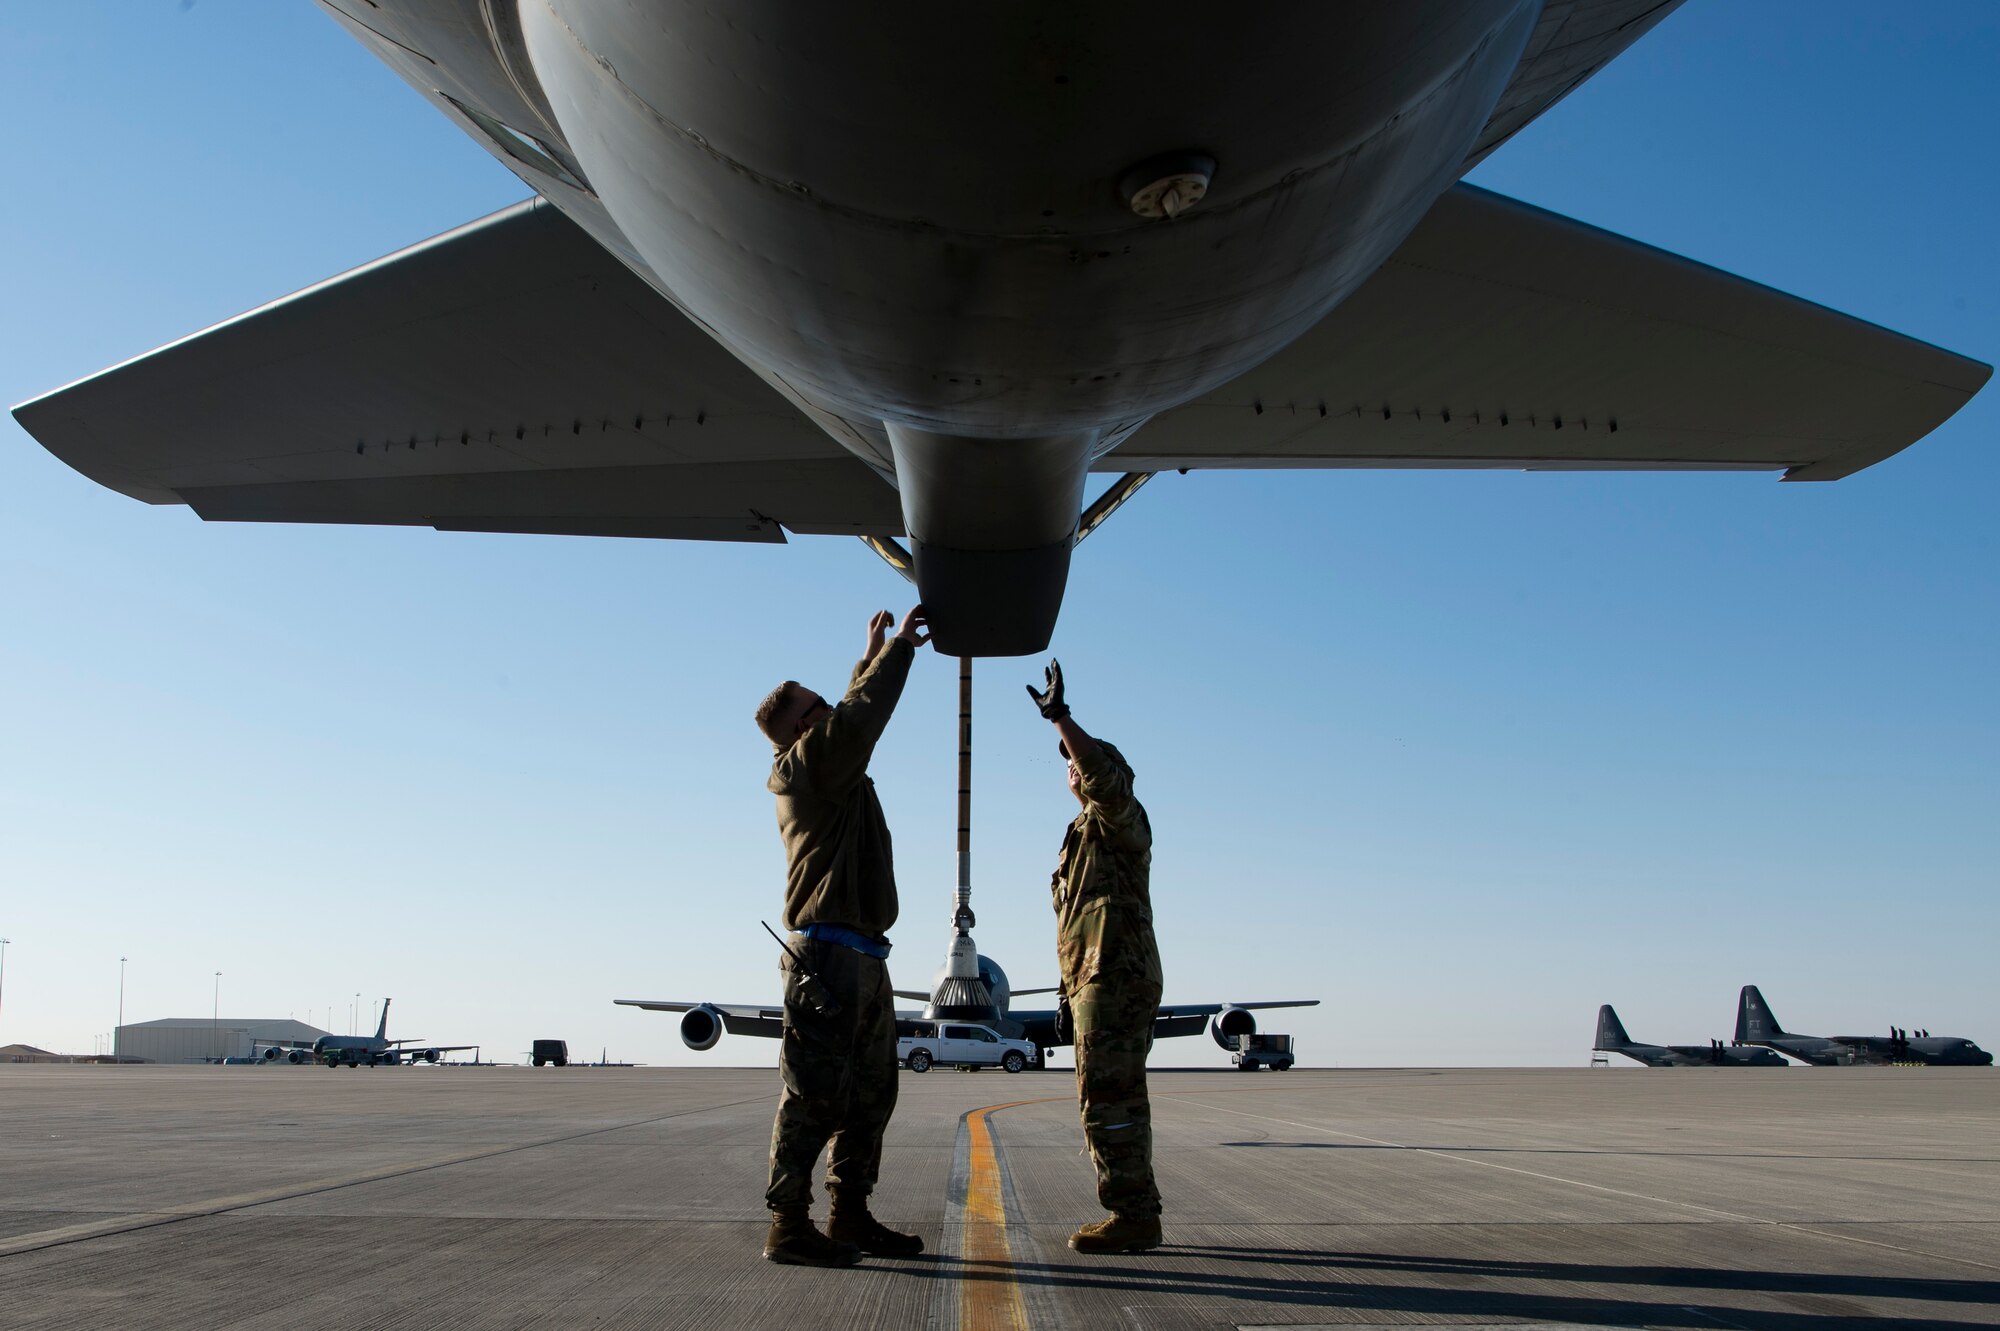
[1610, 1030]
[382, 1026]
[1754, 1018]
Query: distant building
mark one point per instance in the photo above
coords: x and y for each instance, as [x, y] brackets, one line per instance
[27, 1053]
[204, 1039]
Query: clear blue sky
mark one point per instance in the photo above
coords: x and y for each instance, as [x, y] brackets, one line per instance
[1463, 755]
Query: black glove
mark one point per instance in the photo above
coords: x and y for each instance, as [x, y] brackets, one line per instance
[1050, 702]
[1063, 1033]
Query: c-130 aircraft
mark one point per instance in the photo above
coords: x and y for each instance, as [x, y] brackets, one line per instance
[1756, 1024]
[916, 276]
[1611, 1039]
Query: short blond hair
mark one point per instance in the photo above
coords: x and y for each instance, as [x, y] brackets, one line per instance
[767, 712]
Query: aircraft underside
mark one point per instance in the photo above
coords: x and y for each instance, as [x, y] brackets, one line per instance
[974, 288]
[917, 277]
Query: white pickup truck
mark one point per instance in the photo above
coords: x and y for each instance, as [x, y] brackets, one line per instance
[965, 1045]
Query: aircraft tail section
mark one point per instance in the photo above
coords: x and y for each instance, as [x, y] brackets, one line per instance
[1610, 1030]
[382, 1026]
[1754, 1020]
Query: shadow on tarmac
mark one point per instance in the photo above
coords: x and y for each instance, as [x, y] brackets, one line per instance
[1309, 1278]
[1584, 1150]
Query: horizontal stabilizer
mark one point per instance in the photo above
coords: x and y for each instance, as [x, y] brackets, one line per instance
[507, 376]
[1502, 335]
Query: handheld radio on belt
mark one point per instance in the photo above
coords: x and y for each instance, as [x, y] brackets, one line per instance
[815, 992]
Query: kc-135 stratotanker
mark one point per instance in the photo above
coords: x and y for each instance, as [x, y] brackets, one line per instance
[972, 988]
[914, 274]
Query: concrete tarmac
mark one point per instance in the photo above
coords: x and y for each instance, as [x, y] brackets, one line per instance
[279, 1198]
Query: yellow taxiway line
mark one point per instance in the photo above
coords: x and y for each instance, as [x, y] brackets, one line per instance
[992, 1300]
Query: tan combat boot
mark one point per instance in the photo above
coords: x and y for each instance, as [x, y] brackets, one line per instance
[1118, 1233]
[794, 1242]
[851, 1223]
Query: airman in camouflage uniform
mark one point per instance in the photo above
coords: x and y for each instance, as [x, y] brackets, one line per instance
[1110, 977]
[837, 1059]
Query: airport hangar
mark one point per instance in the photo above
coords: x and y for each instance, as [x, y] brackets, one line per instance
[206, 1039]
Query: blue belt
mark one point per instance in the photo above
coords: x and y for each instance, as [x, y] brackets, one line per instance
[867, 945]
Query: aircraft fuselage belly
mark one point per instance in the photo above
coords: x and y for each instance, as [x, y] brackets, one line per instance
[927, 235]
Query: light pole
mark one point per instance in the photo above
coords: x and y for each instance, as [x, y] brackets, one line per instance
[118, 1031]
[214, 1015]
[3, 965]
[354, 1023]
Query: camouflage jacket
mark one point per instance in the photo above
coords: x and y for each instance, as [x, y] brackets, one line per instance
[839, 866]
[1104, 906]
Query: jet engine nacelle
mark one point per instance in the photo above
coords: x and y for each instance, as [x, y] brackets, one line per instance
[701, 1028]
[1230, 1025]
[275, 1053]
[428, 1055]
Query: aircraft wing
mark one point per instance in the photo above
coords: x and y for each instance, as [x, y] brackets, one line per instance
[1502, 335]
[1173, 1019]
[1701, 1053]
[510, 375]
[1193, 1018]
[737, 1018]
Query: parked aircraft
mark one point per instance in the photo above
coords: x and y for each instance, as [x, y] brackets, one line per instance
[984, 998]
[918, 276]
[285, 1053]
[1757, 1024]
[350, 1051]
[1611, 1038]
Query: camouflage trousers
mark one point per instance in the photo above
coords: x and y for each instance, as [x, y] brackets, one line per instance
[839, 1076]
[1113, 1022]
